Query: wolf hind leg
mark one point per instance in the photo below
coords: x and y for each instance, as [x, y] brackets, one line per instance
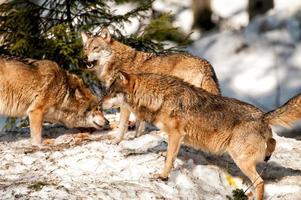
[248, 167]
[246, 155]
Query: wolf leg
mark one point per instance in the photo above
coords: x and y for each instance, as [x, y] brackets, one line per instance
[247, 154]
[248, 167]
[36, 120]
[174, 143]
[140, 128]
[123, 124]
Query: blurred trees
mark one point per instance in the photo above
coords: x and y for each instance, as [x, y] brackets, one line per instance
[258, 7]
[202, 14]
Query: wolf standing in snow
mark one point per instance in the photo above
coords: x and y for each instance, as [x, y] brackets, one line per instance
[109, 56]
[204, 121]
[41, 90]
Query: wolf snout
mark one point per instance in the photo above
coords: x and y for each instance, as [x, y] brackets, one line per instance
[106, 125]
[98, 121]
[107, 122]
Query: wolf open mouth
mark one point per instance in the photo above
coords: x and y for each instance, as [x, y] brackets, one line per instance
[91, 64]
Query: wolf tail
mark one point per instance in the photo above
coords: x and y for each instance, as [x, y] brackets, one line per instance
[286, 114]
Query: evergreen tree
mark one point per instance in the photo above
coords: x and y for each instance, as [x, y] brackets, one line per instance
[50, 28]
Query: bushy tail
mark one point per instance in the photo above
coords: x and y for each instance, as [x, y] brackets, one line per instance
[286, 114]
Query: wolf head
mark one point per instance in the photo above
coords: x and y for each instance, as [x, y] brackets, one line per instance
[99, 54]
[97, 49]
[80, 107]
[117, 91]
[140, 92]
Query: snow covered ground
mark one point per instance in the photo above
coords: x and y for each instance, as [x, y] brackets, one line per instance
[99, 170]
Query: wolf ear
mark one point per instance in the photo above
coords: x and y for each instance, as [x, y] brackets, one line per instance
[78, 94]
[124, 77]
[105, 34]
[85, 37]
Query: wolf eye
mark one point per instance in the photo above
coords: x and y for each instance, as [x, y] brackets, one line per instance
[99, 107]
[94, 48]
[88, 110]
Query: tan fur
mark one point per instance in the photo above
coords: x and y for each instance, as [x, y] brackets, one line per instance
[201, 120]
[110, 56]
[286, 114]
[42, 91]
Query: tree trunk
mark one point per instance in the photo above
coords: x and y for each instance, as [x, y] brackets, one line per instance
[202, 14]
[258, 7]
[69, 17]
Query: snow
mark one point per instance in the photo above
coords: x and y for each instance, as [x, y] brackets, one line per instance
[97, 169]
[133, 25]
[184, 20]
[259, 64]
[227, 8]
[283, 5]
[274, 190]
[172, 6]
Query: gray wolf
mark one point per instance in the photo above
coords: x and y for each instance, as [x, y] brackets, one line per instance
[42, 91]
[203, 121]
[108, 56]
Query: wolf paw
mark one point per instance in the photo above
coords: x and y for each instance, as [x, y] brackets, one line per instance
[159, 176]
[139, 133]
[115, 140]
[163, 154]
[36, 142]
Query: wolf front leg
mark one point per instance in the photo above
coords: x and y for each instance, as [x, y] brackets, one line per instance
[123, 124]
[174, 143]
[35, 121]
[140, 127]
